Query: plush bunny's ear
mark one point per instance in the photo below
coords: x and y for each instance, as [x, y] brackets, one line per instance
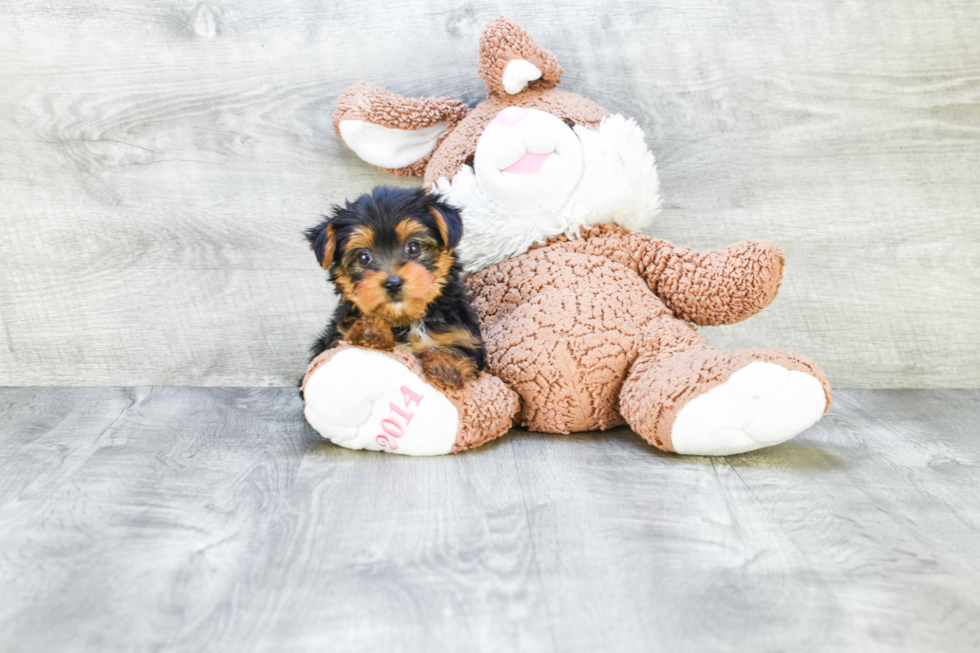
[511, 61]
[393, 132]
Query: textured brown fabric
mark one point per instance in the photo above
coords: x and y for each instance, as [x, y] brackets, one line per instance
[721, 286]
[502, 41]
[562, 324]
[565, 322]
[665, 379]
[460, 145]
[487, 409]
[376, 105]
[486, 406]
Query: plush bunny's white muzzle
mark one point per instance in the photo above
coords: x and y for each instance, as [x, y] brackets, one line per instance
[528, 159]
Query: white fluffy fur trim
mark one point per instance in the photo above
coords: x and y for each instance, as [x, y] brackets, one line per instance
[619, 185]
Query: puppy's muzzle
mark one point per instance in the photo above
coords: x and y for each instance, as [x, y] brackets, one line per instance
[393, 286]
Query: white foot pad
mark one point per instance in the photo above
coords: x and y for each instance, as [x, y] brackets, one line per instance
[363, 399]
[760, 405]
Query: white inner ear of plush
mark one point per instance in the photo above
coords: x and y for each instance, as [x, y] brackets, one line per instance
[387, 147]
[517, 74]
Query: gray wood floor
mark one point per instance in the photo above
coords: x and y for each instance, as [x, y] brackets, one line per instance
[180, 519]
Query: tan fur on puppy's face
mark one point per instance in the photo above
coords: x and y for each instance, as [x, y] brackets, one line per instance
[369, 295]
[423, 275]
[409, 229]
[361, 238]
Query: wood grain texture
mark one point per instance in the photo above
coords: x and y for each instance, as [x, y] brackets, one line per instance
[214, 519]
[158, 163]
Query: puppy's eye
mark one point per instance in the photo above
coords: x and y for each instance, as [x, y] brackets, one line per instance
[364, 258]
[413, 248]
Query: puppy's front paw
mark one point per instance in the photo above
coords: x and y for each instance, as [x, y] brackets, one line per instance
[447, 369]
[372, 334]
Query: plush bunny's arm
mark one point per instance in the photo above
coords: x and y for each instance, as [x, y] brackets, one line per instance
[720, 286]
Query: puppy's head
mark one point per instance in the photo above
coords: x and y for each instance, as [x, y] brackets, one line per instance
[391, 252]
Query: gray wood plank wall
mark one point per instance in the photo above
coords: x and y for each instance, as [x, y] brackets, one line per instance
[159, 160]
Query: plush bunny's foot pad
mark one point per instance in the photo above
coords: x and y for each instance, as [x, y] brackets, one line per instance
[760, 405]
[378, 401]
[718, 403]
[365, 400]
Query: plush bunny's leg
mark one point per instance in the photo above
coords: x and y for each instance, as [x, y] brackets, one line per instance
[681, 395]
[379, 401]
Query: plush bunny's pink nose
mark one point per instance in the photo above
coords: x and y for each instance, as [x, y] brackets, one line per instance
[511, 116]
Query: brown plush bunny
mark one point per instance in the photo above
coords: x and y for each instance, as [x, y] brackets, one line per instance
[585, 319]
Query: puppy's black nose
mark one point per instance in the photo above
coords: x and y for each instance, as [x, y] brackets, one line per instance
[393, 285]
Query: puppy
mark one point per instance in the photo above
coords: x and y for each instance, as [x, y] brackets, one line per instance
[390, 255]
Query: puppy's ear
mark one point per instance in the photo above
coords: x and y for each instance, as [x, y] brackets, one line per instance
[449, 222]
[322, 242]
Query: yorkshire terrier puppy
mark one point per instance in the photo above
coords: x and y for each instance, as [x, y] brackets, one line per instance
[390, 255]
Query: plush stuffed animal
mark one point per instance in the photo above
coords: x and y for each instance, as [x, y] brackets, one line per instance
[587, 321]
